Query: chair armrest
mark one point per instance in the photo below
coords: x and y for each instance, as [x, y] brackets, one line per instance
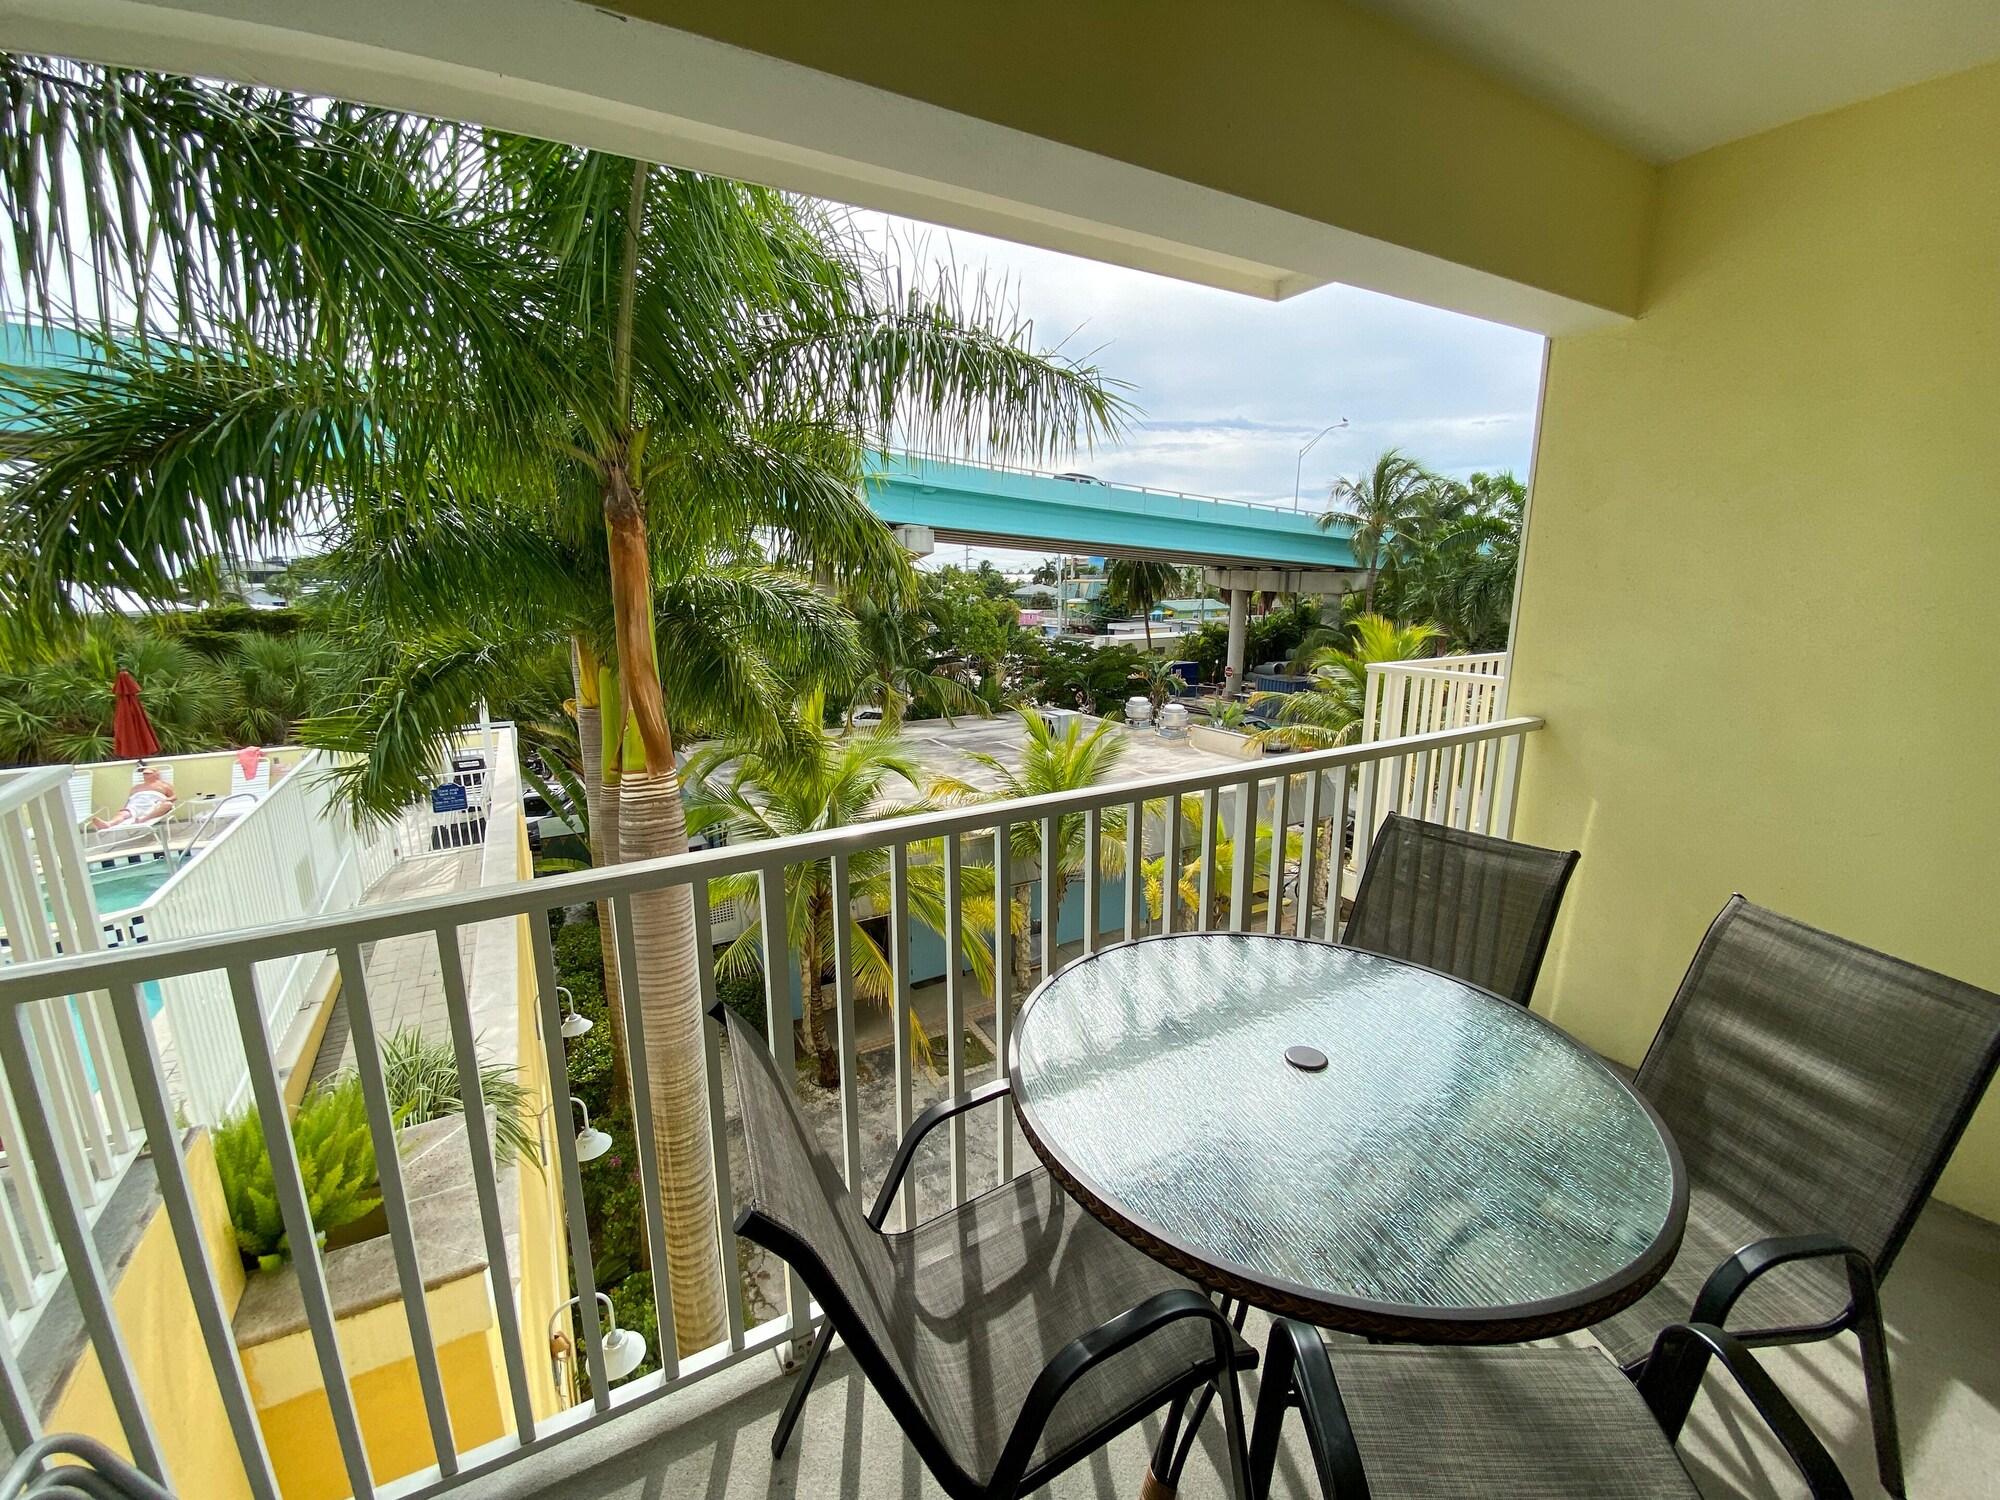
[923, 1125]
[1733, 1277]
[1088, 1350]
[101, 1472]
[1673, 1375]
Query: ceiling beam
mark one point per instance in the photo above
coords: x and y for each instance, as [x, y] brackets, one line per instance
[1471, 198]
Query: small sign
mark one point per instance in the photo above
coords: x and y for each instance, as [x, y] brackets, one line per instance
[448, 798]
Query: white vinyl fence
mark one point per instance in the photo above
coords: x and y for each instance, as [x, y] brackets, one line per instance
[1464, 775]
[81, 1101]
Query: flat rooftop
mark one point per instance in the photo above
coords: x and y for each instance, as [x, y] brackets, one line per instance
[944, 749]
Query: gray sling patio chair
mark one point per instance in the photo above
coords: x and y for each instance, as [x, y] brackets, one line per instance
[1475, 907]
[1816, 1089]
[1519, 1422]
[1010, 1337]
[91, 1472]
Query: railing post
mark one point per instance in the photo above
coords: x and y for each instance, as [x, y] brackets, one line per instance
[954, 1006]
[899, 962]
[1243, 856]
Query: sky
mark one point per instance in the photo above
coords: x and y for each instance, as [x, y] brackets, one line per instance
[1229, 387]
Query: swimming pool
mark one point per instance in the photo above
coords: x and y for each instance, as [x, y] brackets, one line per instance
[118, 888]
[121, 887]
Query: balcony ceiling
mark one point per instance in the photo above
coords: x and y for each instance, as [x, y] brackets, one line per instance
[1668, 78]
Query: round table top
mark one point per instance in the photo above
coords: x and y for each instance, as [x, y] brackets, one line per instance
[1458, 1171]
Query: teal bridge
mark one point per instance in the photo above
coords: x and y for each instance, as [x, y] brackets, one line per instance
[988, 505]
[995, 506]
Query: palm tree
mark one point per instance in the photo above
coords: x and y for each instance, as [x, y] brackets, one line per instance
[56, 700]
[1136, 585]
[283, 680]
[895, 679]
[1327, 713]
[829, 781]
[1187, 878]
[1159, 680]
[394, 319]
[1050, 763]
[1457, 567]
[1379, 506]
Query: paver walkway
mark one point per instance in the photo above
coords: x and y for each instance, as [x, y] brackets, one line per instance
[405, 985]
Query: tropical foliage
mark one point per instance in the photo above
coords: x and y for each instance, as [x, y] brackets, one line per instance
[829, 781]
[1186, 875]
[336, 1163]
[1439, 550]
[1050, 761]
[483, 357]
[204, 689]
[420, 1076]
[1327, 712]
[1136, 587]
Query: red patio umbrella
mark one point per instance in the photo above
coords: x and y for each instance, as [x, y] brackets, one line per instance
[132, 734]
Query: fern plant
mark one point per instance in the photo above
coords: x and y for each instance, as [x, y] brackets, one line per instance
[336, 1163]
[420, 1074]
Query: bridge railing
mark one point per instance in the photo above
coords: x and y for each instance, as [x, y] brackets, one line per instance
[1028, 472]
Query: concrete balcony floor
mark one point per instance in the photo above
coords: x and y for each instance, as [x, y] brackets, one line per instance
[1942, 1302]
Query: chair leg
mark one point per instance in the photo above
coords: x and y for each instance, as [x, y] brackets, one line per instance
[1171, 1458]
[1274, 1400]
[1155, 1486]
[796, 1402]
[1190, 1430]
[1875, 1375]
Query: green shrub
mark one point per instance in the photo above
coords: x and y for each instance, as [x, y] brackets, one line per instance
[336, 1163]
[578, 953]
[420, 1075]
[743, 994]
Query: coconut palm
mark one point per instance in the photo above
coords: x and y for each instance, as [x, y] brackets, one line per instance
[1050, 762]
[1327, 712]
[1457, 566]
[896, 677]
[387, 319]
[829, 781]
[483, 596]
[1136, 585]
[1379, 505]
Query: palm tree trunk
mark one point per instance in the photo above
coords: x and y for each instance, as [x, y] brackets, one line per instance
[1024, 947]
[653, 824]
[602, 813]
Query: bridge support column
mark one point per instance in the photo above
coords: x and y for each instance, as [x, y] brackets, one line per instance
[1239, 642]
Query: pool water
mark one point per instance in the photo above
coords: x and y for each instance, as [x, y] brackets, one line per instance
[119, 888]
[122, 887]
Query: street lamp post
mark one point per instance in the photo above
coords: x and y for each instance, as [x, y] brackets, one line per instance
[1298, 471]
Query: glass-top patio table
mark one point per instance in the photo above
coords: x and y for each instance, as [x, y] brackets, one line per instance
[1347, 1139]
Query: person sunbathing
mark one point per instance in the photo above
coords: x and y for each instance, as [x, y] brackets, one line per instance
[150, 800]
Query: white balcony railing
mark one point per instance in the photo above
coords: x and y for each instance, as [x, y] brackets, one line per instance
[1440, 692]
[83, 1097]
[296, 854]
[1334, 798]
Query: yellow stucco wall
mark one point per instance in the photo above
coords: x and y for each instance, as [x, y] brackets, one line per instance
[204, 775]
[1762, 587]
[1312, 106]
[291, 1401]
[163, 1340]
